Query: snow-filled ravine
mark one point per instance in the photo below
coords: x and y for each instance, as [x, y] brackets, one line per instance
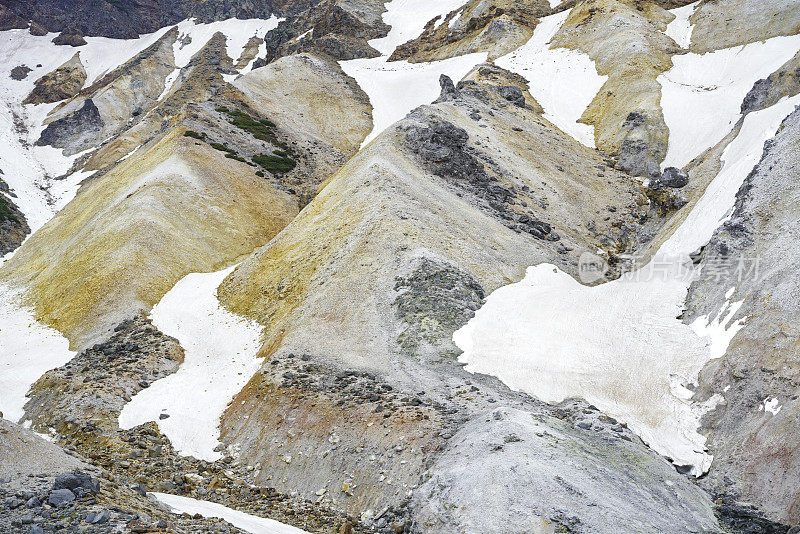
[250, 523]
[563, 81]
[701, 95]
[220, 358]
[680, 29]
[620, 345]
[28, 349]
[397, 87]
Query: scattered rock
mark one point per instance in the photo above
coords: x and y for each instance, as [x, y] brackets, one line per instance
[20, 72]
[78, 482]
[673, 177]
[71, 39]
[98, 518]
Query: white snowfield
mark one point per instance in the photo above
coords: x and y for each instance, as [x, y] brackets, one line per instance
[251, 523]
[563, 81]
[620, 345]
[701, 95]
[220, 358]
[28, 349]
[397, 87]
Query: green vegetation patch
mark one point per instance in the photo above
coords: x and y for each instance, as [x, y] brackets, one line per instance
[275, 164]
[223, 148]
[235, 156]
[195, 135]
[262, 129]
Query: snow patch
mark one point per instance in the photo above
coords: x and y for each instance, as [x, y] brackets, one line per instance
[102, 55]
[397, 87]
[407, 19]
[237, 32]
[250, 523]
[455, 19]
[563, 81]
[29, 349]
[718, 330]
[771, 405]
[30, 170]
[680, 29]
[220, 358]
[620, 345]
[701, 95]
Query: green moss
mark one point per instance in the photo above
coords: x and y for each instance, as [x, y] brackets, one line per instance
[260, 173]
[223, 148]
[275, 164]
[237, 157]
[195, 135]
[263, 129]
[280, 153]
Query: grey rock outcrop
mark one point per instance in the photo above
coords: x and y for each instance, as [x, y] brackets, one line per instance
[508, 471]
[82, 128]
[751, 259]
[785, 82]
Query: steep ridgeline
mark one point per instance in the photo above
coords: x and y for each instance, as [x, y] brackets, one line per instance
[359, 297]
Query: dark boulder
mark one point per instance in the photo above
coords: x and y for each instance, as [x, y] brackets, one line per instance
[513, 94]
[78, 482]
[20, 72]
[673, 177]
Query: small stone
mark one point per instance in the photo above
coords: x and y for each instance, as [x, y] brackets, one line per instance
[101, 517]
